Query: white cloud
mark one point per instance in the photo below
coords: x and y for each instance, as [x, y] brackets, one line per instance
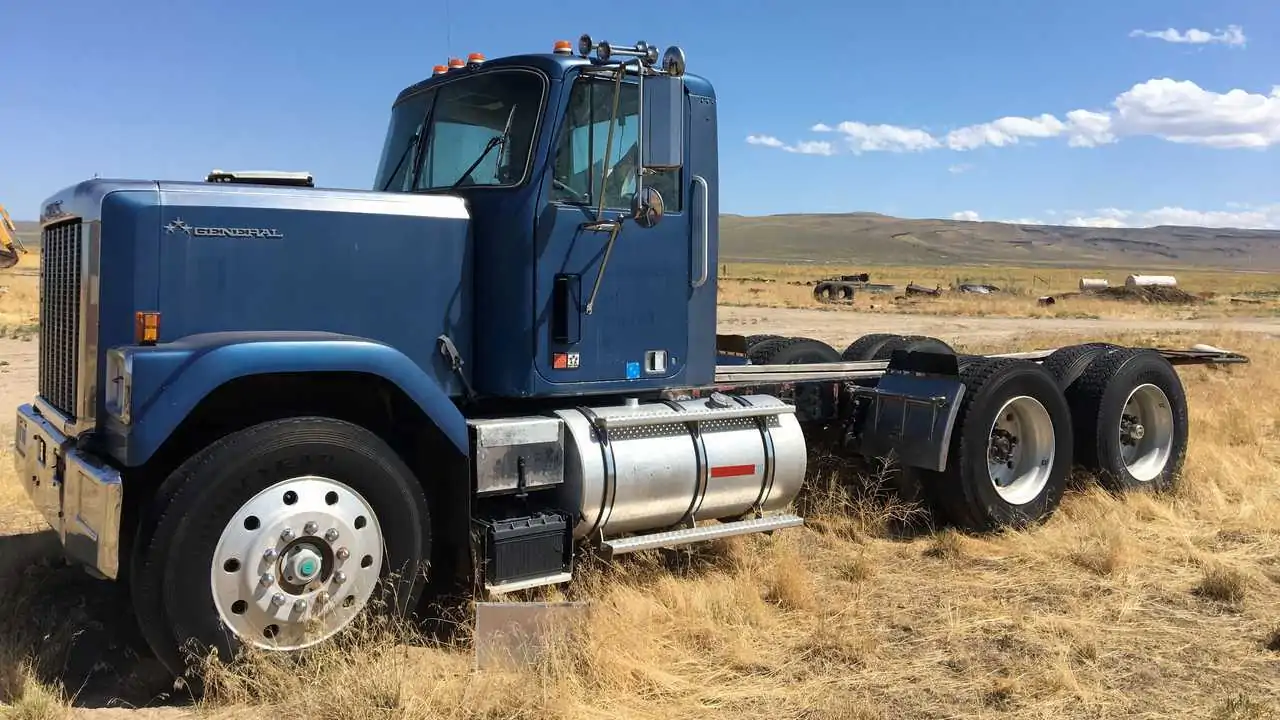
[1233, 36]
[1263, 217]
[861, 137]
[960, 168]
[806, 147]
[766, 140]
[1177, 111]
[1181, 111]
[1241, 215]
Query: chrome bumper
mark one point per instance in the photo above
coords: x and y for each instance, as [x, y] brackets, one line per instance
[79, 495]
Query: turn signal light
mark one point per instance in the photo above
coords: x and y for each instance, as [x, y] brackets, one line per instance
[146, 328]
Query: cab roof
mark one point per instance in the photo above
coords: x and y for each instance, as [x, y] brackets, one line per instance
[555, 66]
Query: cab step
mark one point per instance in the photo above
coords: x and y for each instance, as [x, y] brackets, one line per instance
[673, 538]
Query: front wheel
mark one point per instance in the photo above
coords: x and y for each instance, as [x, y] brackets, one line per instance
[277, 537]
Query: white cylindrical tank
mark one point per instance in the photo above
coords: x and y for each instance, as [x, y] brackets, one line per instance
[1140, 280]
[1093, 283]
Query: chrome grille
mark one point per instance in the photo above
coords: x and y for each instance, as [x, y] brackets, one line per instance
[61, 258]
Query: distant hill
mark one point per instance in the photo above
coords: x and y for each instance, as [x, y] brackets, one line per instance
[871, 238]
[28, 233]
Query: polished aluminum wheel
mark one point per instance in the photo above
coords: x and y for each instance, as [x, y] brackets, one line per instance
[1020, 450]
[1146, 432]
[296, 563]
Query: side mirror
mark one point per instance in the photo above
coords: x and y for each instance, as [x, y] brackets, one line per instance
[647, 207]
[663, 131]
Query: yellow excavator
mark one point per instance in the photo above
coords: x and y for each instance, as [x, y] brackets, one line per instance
[10, 245]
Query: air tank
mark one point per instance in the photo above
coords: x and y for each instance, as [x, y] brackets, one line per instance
[637, 467]
[1093, 283]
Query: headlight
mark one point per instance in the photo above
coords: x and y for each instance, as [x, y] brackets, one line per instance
[119, 379]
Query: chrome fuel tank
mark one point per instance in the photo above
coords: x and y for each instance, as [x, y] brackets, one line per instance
[638, 467]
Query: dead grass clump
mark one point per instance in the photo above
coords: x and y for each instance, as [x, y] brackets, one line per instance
[947, 545]
[26, 697]
[1223, 583]
[1242, 707]
[1273, 640]
[1105, 555]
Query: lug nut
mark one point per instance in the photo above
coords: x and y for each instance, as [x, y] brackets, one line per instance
[300, 605]
[310, 528]
[286, 534]
[343, 553]
[277, 599]
[339, 577]
[331, 535]
[270, 555]
[267, 579]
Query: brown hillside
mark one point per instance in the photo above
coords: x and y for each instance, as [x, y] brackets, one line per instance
[869, 238]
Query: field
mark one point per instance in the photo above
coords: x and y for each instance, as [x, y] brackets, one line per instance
[1136, 607]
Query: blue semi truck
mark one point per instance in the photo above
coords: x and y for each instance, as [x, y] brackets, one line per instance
[261, 402]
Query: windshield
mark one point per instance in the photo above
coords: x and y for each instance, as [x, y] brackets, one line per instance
[467, 119]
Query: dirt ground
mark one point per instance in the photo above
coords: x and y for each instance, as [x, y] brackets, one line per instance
[24, 541]
[841, 328]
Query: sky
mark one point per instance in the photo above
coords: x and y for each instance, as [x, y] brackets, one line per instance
[1105, 113]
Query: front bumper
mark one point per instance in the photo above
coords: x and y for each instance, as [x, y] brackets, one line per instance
[79, 495]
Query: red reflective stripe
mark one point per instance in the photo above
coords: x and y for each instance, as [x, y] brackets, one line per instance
[732, 471]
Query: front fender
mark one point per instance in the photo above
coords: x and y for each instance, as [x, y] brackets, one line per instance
[170, 380]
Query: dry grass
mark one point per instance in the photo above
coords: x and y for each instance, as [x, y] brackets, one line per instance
[1138, 607]
[770, 285]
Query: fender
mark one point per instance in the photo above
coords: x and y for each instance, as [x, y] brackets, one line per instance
[168, 381]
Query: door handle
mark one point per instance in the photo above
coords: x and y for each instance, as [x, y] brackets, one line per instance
[706, 235]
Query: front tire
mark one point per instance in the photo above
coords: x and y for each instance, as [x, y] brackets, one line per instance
[278, 536]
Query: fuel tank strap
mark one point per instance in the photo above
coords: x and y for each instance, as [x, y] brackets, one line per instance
[610, 469]
[770, 454]
[700, 458]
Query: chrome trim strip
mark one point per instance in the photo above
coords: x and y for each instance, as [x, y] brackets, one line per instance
[90, 292]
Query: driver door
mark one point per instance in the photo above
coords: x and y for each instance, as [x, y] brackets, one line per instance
[635, 330]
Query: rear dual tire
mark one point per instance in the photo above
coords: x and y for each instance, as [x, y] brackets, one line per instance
[1011, 450]
[1129, 409]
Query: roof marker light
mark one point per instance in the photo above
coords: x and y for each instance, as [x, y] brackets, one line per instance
[439, 70]
[475, 58]
[455, 63]
[563, 47]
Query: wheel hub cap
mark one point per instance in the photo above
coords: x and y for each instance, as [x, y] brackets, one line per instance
[1020, 450]
[1146, 432]
[296, 563]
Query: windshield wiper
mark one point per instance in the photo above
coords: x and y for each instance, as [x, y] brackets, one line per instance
[488, 147]
[413, 142]
[416, 142]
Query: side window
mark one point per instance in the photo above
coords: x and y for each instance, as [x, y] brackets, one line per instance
[581, 145]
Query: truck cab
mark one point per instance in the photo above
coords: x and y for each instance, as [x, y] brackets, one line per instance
[593, 214]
